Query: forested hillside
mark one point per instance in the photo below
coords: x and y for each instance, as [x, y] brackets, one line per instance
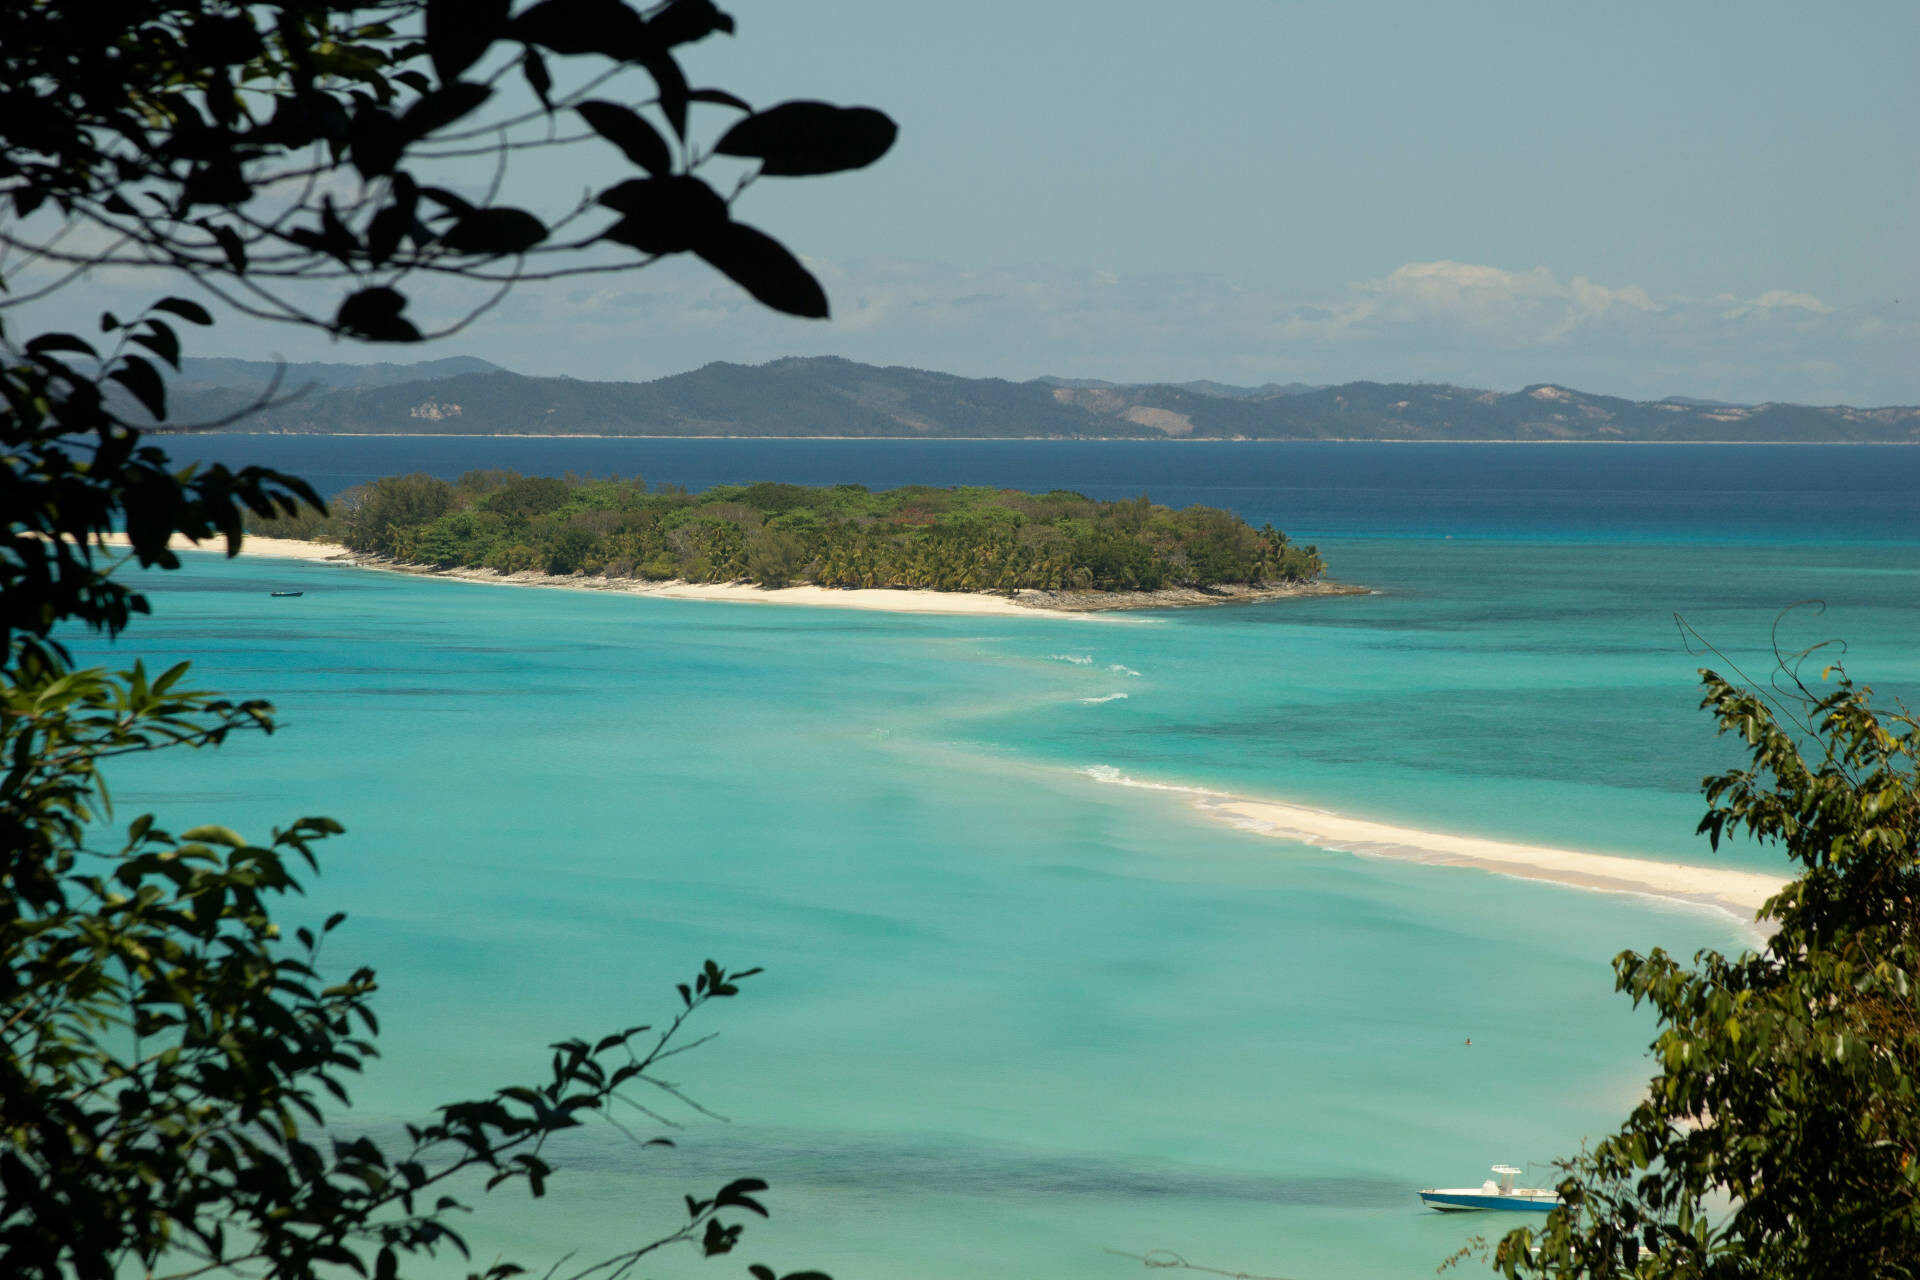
[826, 396]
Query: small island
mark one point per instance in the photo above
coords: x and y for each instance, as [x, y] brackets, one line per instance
[1058, 550]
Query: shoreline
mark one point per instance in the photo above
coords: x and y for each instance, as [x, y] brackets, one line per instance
[1025, 603]
[1736, 892]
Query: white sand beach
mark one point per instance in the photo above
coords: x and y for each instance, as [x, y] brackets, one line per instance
[273, 548]
[885, 599]
[1737, 892]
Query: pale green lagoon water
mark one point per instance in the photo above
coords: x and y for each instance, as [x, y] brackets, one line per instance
[1013, 1016]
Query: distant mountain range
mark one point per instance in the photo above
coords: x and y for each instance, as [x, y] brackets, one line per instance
[827, 396]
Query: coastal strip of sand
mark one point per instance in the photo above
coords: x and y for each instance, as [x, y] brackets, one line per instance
[886, 599]
[1737, 892]
[271, 548]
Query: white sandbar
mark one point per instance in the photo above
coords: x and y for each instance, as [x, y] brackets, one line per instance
[1740, 893]
[252, 545]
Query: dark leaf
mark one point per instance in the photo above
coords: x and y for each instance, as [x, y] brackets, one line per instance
[796, 139]
[385, 231]
[718, 1239]
[442, 107]
[230, 244]
[664, 215]
[217, 183]
[584, 26]
[139, 376]
[735, 1195]
[672, 83]
[447, 200]
[374, 141]
[186, 308]
[719, 98]
[538, 78]
[459, 31]
[161, 340]
[629, 131]
[335, 238]
[685, 21]
[494, 232]
[374, 314]
[763, 267]
[60, 342]
[223, 41]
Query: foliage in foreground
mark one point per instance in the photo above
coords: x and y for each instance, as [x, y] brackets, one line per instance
[167, 1060]
[1781, 1137]
[963, 539]
[169, 1055]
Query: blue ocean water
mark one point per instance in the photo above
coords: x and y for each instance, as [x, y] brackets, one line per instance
[1016, 1017]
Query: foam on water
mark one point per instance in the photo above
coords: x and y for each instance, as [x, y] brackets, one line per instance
[1110, 776]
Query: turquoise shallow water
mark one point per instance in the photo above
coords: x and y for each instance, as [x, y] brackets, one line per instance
[1013, 1016]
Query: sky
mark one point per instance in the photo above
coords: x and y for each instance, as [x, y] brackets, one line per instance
[1705, 199]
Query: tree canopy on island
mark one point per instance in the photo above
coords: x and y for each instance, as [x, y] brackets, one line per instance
[173, 1068]
[960, 539]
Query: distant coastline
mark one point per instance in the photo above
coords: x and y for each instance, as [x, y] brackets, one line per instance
[829, 398]
[1173, 440]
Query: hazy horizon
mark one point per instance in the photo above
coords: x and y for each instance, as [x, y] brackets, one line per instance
[387, 358]
[1644, 200]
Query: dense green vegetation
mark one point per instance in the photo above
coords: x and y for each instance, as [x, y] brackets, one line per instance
[963, 539]
[174, 1067]
[1779, 1138]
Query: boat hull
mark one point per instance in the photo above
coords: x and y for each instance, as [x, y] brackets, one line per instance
[1469, 1201]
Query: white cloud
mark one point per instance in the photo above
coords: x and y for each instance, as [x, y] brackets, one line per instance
[1492, 304]
[1777, 300]
[1472, 323]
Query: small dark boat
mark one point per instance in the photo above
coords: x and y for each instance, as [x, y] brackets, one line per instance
[281, 595]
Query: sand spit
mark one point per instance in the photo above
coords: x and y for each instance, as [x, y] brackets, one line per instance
[1740, 893]
[886, 599]
[273, 548]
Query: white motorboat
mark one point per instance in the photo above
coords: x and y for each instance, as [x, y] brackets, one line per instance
[1491, 1195]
